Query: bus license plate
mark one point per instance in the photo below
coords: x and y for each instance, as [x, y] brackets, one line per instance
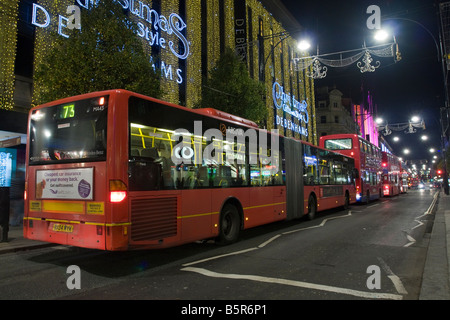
[62, 228]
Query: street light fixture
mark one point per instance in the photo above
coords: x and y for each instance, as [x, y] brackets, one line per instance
[415, 119]
[381, 35]
[304, 45]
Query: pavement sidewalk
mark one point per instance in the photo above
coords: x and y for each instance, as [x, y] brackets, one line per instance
[436, 276]
[16, 241]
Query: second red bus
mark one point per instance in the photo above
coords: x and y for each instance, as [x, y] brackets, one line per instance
[367, 162]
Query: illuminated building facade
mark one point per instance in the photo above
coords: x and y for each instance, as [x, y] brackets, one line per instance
[364, 114]
[184, 39]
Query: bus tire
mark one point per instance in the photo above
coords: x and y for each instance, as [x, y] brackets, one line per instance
[312, 207]
[229, 225]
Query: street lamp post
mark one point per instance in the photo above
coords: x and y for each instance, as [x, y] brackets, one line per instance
[441, 58]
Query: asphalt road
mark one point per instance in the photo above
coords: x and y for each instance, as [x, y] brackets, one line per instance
[367, 252]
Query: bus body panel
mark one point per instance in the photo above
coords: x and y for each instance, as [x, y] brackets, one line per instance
[159, 217]
[391, 174]
[70, 222]
[367, 162]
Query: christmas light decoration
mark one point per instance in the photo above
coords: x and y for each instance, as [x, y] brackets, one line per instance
[182, 83]
[8, 41]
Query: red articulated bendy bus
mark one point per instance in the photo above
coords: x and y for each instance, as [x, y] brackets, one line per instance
[116, 170]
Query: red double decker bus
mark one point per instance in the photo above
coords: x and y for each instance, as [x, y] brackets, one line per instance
[115, 170]
[391, 174]
[367, 162]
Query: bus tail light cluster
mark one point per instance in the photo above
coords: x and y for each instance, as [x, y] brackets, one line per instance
[117, 191]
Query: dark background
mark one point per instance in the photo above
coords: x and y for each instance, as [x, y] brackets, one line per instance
[413, 86]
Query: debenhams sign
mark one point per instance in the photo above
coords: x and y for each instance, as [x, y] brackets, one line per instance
[158, 30]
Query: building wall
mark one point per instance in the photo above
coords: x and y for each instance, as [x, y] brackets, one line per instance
[210, 26]
[333, 116]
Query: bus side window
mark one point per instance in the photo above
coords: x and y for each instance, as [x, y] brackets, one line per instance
[309, 166]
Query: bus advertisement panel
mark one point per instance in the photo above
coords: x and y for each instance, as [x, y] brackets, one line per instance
[115, 170]
[367, 162]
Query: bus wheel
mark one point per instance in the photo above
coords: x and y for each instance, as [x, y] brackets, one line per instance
[229, 225]
[312, 207]
[347, 201]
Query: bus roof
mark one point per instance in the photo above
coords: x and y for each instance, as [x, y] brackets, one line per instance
[210, 112]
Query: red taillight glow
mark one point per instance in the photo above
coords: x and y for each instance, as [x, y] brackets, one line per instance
[117, 191]
[117, 196]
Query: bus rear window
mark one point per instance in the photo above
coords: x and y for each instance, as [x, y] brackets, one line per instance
[339, 144]
[70, 132]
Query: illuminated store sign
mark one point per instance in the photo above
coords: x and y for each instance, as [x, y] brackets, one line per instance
[158, 30]
[292, 107]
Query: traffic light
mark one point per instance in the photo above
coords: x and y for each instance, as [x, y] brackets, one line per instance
[439, 172]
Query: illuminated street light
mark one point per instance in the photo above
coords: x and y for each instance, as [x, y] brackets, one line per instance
[406, 151]
[381, 35]
[424, 138]
[396, 139]
[415, 119]
[304, 45]
[432, 150]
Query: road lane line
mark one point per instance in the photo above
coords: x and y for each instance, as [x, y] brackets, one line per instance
[398, 284]
[411, 240]
[265, 243]
[433, 203]
[262, 245]
[301, 284]
[321, 224]
[218, 257]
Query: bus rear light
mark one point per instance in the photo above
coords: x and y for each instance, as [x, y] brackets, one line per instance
[117, 191]
[117, 196]
[99, 230]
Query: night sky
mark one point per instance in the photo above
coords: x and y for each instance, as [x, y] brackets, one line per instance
[413, 86]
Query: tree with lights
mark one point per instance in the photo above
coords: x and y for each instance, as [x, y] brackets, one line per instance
[104, 54]
[231, 89]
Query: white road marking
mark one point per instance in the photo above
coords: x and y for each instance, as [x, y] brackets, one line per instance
[301, 284]
[410, 239]
[324, 221]
[221, 256]
[363, 294]
[398, 284]
[420, 223]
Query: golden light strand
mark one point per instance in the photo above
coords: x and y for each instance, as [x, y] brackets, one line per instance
[8, 47]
